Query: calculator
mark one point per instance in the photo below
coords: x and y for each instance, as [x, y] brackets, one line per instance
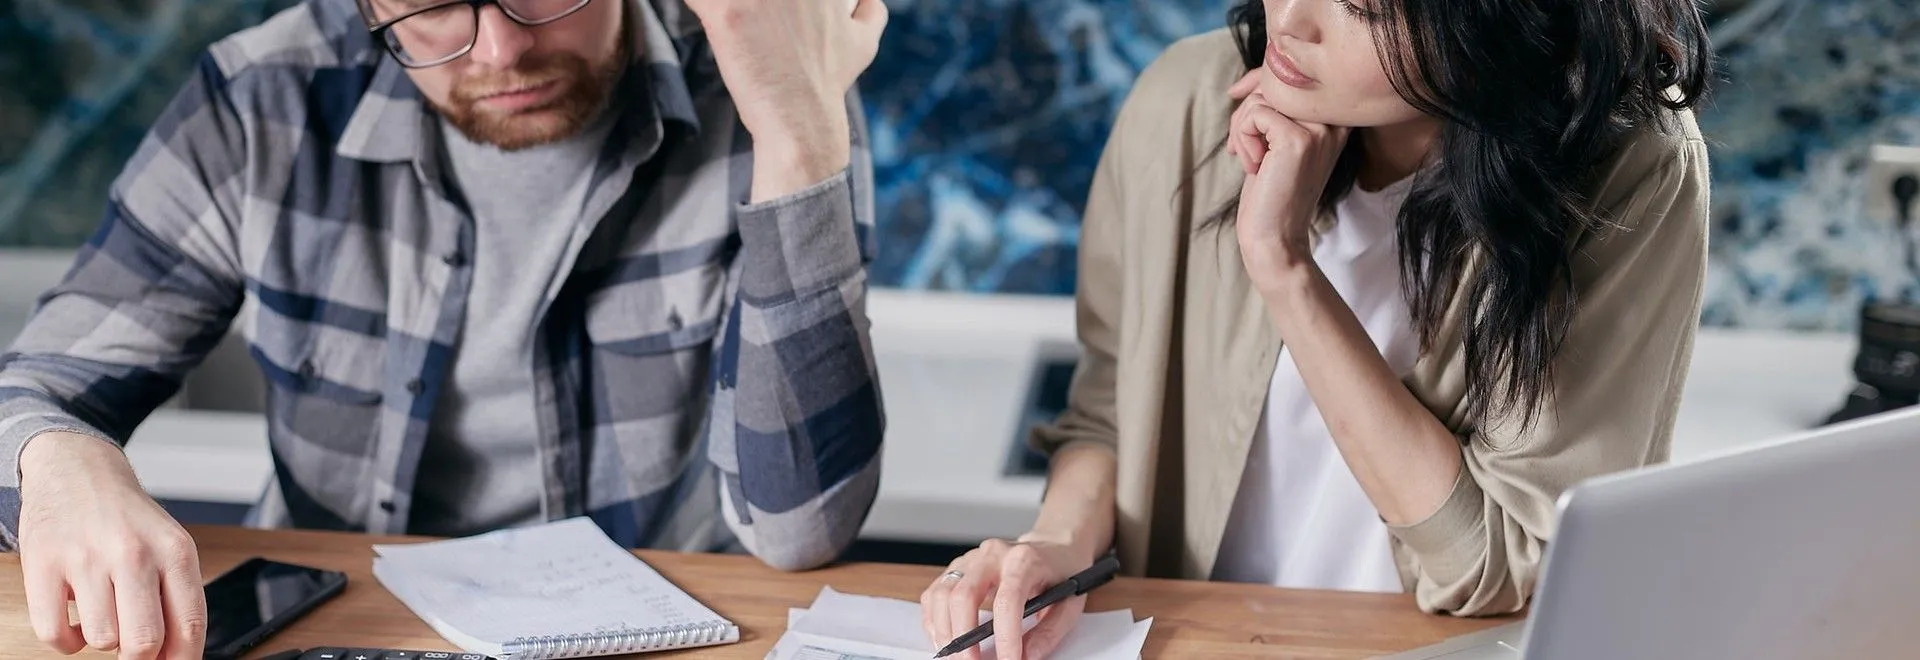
[332, 653]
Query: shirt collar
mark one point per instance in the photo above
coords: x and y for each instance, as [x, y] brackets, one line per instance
[393, 123]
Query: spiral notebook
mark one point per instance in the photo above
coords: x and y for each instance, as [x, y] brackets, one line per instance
[555, 590]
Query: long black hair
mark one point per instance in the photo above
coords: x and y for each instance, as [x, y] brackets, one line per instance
[1534, 97]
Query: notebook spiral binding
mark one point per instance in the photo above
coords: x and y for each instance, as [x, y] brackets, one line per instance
[620, 641]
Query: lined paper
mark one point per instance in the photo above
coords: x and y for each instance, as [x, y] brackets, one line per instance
[560, 578]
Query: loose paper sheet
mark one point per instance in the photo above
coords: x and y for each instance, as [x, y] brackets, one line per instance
[841, 626]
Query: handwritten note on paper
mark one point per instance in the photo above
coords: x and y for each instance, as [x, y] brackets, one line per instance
[523, 582]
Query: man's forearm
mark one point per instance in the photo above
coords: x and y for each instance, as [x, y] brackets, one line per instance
[30, 420]
[1078, 509]
[805, 409]
[792, 161]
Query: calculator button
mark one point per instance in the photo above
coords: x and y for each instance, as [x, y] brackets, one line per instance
[325, 654]
[471, 656]
[436, 655]
[363, 654]
[401, 655]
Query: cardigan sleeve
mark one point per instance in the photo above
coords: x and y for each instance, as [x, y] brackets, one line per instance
[1616, 391]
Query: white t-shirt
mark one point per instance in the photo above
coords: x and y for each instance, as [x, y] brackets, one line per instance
[1300, 519]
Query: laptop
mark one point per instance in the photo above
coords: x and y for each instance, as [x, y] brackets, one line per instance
[1807, 546]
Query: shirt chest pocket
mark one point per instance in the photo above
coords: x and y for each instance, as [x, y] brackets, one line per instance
[323, 379]
[652, 336]
[637, 314]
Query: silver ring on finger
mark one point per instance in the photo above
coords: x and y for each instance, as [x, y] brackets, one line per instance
[952, 575]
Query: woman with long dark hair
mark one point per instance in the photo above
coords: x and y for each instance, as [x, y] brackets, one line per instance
[1364, 286]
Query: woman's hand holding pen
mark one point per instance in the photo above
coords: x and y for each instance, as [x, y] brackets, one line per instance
[1002, 576]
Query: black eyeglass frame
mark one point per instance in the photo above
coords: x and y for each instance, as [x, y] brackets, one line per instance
[381, 30]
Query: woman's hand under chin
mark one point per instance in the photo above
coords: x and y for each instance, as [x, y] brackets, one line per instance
[1287, 163]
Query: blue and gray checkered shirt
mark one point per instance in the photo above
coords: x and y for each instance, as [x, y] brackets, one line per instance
[705, 359]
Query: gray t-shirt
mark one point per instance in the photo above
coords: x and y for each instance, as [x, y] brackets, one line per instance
[526, 205]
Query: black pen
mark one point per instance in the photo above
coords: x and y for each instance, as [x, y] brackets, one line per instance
[1100, 573]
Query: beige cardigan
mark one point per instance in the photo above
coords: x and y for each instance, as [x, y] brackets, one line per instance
[1178, 349]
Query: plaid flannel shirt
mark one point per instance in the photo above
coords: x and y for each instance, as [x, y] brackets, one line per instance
[704, 359]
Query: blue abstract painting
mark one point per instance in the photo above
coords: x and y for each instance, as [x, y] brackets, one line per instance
[988, 117]
[1811, 86]
[83, 79]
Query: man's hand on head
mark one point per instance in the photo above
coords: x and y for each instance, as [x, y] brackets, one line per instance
[789, 66]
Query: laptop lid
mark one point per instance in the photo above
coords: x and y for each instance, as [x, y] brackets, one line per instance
[1803, 547]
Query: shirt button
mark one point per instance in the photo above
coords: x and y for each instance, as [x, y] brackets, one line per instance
[306, 370]
[674, 322]
[415, 387]
[386, 505]
[455, 259]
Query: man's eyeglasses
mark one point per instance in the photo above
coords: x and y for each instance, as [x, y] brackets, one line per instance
[422, 34]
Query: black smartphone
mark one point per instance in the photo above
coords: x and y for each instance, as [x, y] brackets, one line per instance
[259, 597]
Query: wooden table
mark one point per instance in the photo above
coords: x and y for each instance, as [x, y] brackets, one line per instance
[1191, 619]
